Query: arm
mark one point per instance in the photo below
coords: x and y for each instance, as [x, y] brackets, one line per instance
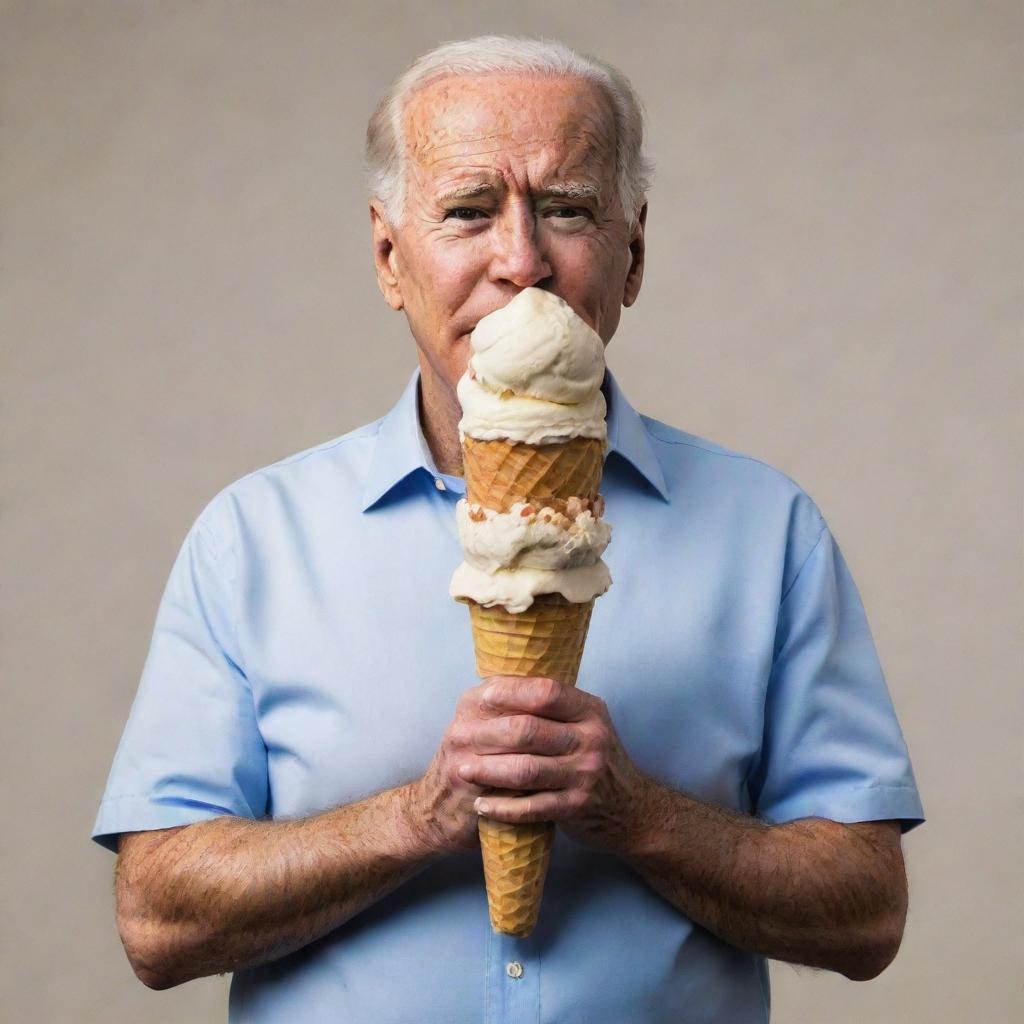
[233, 893]
[812, 891]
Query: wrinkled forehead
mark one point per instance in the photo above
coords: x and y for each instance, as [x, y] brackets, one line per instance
[480, 120]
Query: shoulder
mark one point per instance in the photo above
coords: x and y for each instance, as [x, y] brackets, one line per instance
[736, 487]
[325, 472]
[682, 452]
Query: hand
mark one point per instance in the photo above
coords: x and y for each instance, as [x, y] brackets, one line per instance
[555, 742]
[441, 808]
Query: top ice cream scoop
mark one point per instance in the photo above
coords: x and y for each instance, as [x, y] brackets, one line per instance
[537, 347]
[534, 375]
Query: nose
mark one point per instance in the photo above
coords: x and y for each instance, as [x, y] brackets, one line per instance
[517, 258]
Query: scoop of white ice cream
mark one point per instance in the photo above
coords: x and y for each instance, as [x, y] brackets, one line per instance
[528, 536]
[537, 347]
[516, 588]
[488, 416]
[534, 375]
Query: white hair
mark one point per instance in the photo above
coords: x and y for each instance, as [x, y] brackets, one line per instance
[385, 144]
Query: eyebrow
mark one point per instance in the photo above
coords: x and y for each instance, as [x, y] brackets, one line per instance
[565, 189]
[572, 190]
[466, 191]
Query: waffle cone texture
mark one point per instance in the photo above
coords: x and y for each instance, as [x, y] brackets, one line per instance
[500, 473]
[545, 640]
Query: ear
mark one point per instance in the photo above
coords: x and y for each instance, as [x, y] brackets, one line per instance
[635, 274]
[385, 259]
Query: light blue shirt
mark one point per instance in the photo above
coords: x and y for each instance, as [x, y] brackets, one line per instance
[306, 654]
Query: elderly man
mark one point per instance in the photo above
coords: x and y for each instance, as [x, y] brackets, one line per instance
[295, 797]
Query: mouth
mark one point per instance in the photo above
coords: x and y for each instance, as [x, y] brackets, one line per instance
[472, 326]
[467, 329]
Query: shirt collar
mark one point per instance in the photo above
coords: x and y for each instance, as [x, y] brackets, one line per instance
[400, 449]
[628, 437]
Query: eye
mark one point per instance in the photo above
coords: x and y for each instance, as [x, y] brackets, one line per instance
[567, 212]
[464, 213]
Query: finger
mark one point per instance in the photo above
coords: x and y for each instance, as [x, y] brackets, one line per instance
[517, 771]
[525, 734]
[529, 808]
[471, 701]
[535, 695]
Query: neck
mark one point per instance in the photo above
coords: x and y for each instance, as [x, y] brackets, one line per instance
[440, 413]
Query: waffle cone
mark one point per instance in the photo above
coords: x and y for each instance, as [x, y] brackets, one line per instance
[500, 473]
[545, 640]
[516, 859]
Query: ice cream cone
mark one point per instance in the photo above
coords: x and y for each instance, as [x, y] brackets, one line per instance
[533, 438]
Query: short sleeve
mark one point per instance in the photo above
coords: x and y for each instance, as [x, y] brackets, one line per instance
[191, 749]
[832, 745]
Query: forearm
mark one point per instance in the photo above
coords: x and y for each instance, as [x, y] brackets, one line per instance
[232, 893]
[811, 892]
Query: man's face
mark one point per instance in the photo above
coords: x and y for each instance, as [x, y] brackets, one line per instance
[511, 182]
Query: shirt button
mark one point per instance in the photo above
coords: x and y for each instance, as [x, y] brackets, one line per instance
[439, 484]
[514, 969]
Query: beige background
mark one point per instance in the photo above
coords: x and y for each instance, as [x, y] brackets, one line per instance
[833, 286]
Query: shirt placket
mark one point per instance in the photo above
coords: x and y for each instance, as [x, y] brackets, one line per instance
[449, 491]
[513, 981]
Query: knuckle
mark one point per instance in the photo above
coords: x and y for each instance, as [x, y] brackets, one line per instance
[458, 735]
[569, 741]
[587, 774]
[467, 702]
[524, 770]
[509, 730]
[523, 730]
[594, 736]
[498, 689]
[548, 691]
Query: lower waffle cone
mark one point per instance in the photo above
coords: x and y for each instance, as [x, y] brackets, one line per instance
[545, 640]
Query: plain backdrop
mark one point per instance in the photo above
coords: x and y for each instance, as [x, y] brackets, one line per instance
[833, 286]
